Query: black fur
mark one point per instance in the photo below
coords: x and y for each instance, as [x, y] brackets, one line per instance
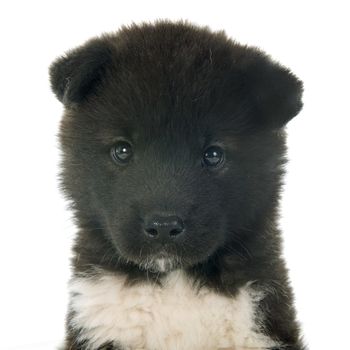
[172, 90]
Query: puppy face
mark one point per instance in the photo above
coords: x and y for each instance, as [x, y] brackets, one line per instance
[171, 140]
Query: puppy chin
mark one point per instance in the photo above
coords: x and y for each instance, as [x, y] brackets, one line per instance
[160, 264]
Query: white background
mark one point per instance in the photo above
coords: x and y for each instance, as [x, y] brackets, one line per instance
[310, 37]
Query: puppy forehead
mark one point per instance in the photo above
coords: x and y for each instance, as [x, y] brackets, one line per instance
[163, 89]
[168, 129]
[156, 93]
[157, 132]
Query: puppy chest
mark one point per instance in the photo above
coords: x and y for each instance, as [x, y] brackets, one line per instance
[173, 316]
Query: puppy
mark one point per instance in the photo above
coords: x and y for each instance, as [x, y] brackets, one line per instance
[173, 152]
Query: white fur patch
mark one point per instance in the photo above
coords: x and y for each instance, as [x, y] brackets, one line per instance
[160, 265]
[171, 317]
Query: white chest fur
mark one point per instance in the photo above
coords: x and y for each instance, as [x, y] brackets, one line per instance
[171, 317]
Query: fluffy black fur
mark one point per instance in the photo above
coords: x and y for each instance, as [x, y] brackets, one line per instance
[172, 90]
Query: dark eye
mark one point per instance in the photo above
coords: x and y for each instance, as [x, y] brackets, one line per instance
[213, 156]
[121, 152]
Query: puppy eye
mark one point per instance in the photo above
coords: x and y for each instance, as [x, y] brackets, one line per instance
[213, 156]
[121, 152]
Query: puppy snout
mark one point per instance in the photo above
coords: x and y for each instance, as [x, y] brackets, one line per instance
[163, 227]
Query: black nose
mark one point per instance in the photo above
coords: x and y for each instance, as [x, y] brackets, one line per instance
[163, 226]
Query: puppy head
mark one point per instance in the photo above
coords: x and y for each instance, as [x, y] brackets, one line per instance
[172, 139]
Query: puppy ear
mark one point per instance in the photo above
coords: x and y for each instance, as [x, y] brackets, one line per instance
[76, 74]
[274, 92]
